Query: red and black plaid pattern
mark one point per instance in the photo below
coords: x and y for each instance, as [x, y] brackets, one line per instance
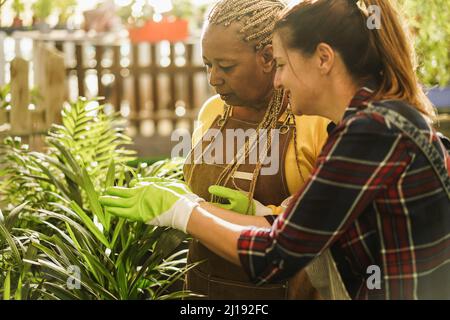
[373, 199]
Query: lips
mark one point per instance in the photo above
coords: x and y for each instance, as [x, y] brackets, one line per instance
[224, 96]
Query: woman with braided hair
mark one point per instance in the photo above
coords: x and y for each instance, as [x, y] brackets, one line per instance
[236, 49]
[378, 201]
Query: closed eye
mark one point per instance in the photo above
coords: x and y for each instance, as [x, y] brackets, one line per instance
[226, 68]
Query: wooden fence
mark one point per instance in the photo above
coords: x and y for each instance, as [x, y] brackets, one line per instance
[156, 86]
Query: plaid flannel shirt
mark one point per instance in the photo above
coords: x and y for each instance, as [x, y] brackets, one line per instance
[373, 199]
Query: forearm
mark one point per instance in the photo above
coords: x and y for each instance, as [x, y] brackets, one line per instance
[235, 218]
[219, 235]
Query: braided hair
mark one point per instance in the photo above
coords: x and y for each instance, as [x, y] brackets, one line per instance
[258, 18]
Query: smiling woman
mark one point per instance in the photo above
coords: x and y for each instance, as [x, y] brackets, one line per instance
[237, 52]
[379, 196]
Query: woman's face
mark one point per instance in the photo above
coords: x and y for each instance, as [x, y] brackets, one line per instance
[297, 74]
[242, 76]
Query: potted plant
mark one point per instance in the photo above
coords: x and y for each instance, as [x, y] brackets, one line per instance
[41, 10]
[172, 25]
[18, 7]
[66, 8]
[55, 236]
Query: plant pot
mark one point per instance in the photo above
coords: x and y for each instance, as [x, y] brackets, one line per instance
[17, 22]
[172, 31]
[42, 26]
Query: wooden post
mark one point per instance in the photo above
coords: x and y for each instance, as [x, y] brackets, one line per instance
[137, 108]
[80, 68]
[190, 76]
[51, 83]
[154, 82]
[99, 57]
[20, 97]
[118, 81]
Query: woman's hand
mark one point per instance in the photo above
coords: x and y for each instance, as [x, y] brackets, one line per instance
[161, 203]
[239, 201]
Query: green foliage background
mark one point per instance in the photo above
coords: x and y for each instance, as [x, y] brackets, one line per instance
[430, 24]
[51, 222]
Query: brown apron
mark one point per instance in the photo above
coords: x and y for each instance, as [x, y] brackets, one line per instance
[216, 278]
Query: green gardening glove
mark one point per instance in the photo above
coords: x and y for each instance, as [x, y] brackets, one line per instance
[174, 184]
[238, 201]
[152, 203]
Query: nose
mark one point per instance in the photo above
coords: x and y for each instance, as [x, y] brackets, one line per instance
[215, 78]
[277, 81]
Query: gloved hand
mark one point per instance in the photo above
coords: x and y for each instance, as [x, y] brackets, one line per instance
[173, 184]
[152, 203]
[239, 202]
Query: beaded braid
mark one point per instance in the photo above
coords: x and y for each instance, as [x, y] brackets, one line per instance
[269, 122]
[258, 17]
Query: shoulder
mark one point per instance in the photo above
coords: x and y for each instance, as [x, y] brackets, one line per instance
[312, 130]
[367, 120]
[211, 109]
[312, 121]
[364, 135]
[206, 116]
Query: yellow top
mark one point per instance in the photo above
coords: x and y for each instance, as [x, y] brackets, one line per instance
[311, 136]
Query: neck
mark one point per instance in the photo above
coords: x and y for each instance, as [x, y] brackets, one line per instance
[256, 112]
[339, 96]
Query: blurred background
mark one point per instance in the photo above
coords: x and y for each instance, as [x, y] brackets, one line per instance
[143, 57]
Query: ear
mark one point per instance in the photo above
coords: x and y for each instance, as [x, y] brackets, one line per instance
[325, 57]
[265, 55]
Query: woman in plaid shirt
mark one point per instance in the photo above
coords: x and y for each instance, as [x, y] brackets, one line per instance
[374, 199]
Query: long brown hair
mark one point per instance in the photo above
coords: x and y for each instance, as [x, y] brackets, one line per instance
[384, 54]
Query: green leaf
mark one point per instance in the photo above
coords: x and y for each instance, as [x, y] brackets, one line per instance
[110, 175]
[4, 233]
[86, 221]
[93, 199]
[7, 286]
[18, 293]
[13, 215]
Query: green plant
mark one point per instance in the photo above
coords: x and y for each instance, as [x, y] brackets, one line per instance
[182, 9]
[2, 2]
[145, 13]
[56, 241]
[42, 8]
[5, 97]
[65, 8]
[18, 7]
[431, 30]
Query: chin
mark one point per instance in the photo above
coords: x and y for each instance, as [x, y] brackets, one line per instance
[230, 100]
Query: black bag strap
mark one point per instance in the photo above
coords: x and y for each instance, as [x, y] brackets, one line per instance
[411, 130]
